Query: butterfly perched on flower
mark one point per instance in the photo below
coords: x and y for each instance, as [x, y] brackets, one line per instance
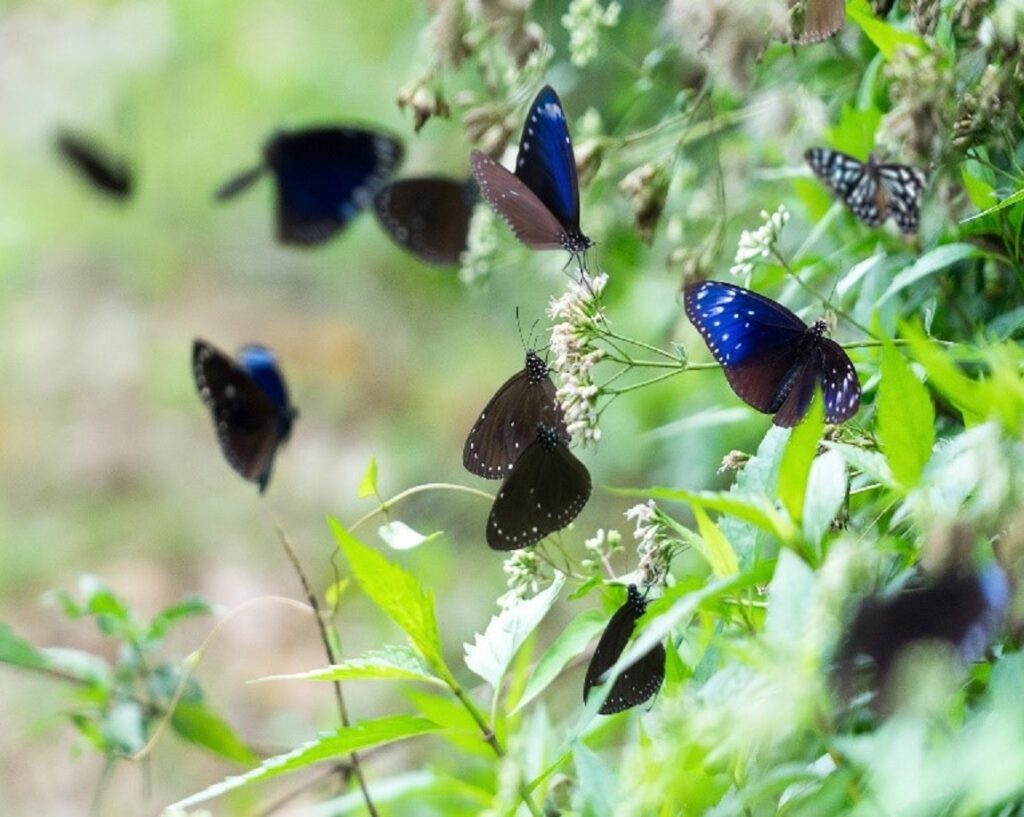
[508, 424]
[640, 680]
[545, 490]
[428, 216]
[106, 173]
[325, 176]
[771, 358]
[871, 190]
[815, 20]
[249, 403]
[541, 200]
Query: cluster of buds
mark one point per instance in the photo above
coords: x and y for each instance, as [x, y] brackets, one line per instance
[584, 21]
[653, 545]
[760, 244]
[424, 102]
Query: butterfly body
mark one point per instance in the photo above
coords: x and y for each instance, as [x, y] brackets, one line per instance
[544, 492]
[540, 201]
[249, 402]
[873, 191]
[107, 174]
[638, 682]
[771, 358]
[428, 216]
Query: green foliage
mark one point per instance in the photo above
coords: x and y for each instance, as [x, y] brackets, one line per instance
[906, 418]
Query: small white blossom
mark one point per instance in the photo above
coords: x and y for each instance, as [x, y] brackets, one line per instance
[653, 546]
[600, 547]
[584, 21]
[759, 244]
[525, 576]
[477, 260]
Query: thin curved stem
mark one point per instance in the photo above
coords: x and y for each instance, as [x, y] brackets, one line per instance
[649, 347]
[387, 504]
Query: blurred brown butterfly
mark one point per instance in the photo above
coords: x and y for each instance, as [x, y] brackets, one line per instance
[812, 21]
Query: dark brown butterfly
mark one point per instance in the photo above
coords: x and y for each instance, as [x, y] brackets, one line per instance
[428, 216]
[249, 403]
[106, 173]
[815, 20]
[508, 424]
[545, 491]
[637, 682]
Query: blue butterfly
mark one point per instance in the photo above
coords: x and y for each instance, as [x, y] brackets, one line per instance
[249, 402]
[325, 177]
[541, 200]
[771, 358]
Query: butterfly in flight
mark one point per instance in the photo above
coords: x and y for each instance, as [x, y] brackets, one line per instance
[508, 424]
[249, 402]
[961, 608]
[541, 200]
[820, 19]
[428, 216]
[105, 173]
[771, 358]
[325, 176]
[545, 490]
[637, 682]
[872, 191]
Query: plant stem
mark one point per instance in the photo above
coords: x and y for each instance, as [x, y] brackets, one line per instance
[649, 347]
[387, 504]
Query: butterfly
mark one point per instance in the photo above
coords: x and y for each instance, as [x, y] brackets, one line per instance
[541, 200]
[639, 681]
[325, 177]
[544, 492]
[107, 174]
[428, 216]
[508, 424]
[820, 20]
[872, 191]
[249, 402]
[963, 609]
[771, 358]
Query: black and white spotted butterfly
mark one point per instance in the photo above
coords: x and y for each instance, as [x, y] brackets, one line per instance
[871, 190]
[636, 683]
[249, 403]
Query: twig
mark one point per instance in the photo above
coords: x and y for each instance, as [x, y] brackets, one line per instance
[387, 504]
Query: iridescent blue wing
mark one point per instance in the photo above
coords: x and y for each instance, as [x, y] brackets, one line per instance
[903, 186]
[261, 365]
[428, 216]
[325, 177]
[853, 181]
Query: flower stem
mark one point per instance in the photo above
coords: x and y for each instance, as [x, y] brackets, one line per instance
[641, 344]
[387, 504]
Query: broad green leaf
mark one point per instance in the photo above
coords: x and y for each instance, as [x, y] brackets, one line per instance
[196, 723]
[885, 37]
[368, 484]
[796, 462]
[855, 131]
[906, 418]
[870, 463]
[335, 744]
[393, 663]
[788, 595]
[757, 510]
[931, 262]
[716, 547]
[945, 377]
[17, 651]
[598, 785]
[979, 191]
[399, 536]
[397, 593]
[491, 652]
[1009, 201]
[78, 663]
[569, 644]
[826, 491]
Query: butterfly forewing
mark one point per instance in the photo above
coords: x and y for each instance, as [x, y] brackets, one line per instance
[821, 20]
[532, 222]
[428, 216]
[636, 683]
[545, 491]
[104, 172]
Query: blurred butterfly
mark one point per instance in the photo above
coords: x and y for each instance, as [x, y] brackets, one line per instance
[325, 177]
[250, 406]
[820, 20]
[428, 216]
[771, 358]
[508, 424]
[882, 7]
[960, 608]
[639, 681]
[544, 492]
[107, 174]
[541, 200]
[872, 191]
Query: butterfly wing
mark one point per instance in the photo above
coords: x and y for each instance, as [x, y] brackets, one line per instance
[821, 20]
[839, 384]
[903, 186]
[427, 216]
[325, 177]
[852, 181]
[245, 417]
[104, 172]
[545, 491]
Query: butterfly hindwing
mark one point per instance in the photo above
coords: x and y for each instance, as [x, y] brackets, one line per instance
[428, 216]
[821, 20]
[903, 187]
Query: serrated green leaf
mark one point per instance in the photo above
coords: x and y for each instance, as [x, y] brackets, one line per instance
[17, 652]
[931, 262]
[796, 461]
[398, 594]
[368, 484]
[716, 547]
[399, 536]
[906, 418]
[327, 747]
[393, 663]
[570, 643]
[885, 37]
[826, 491]
[197, 724]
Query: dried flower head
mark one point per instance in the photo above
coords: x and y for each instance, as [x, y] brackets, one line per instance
[923, 92]
[424, 102]
[447, 32]
[925, 14]
[760, 244]
[733, 461]
[584, 21]
[646, 187]
[653, 544]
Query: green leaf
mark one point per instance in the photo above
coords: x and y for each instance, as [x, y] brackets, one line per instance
[84, 665]
[826, 491]
[796, 462]
[885, 37]
[18, 652]
[871, 463]
[938, 259]
[393, 663]
[331, 745]
[368, 484]
[757, 510]
[198, 724]
[397, 593]
[491, 652]
[1009, 201]
[979, 191]
[906, 418]
[123, 727]
[570, 643]
[598, 785]
[169, 616]
[946, 378]
[399, 536]
[334, 591]
[855, 131]
[788, 596]
[716, 547]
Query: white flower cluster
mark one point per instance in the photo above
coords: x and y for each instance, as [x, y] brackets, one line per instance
[574, 356]
[652, 546]
[584, 21]
[477, 260]
[600, 548]
[760, 243]
[525, 577]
